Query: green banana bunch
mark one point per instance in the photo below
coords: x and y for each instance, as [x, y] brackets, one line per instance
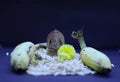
[20, 56]
[91, 57]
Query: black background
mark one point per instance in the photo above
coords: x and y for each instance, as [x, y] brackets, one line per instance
[32, 20]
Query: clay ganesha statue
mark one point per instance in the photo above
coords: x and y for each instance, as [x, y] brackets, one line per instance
[54, 40]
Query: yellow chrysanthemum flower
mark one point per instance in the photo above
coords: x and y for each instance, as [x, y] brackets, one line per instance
[66, 52]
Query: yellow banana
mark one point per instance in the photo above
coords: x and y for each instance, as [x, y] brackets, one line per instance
[91, 57]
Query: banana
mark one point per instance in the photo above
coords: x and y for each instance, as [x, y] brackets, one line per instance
[20, 56]
[95, 60]
[91, 57]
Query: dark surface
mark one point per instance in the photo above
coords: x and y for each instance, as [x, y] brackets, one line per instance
[7, 75]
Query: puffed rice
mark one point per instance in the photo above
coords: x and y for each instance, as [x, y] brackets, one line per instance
[52, 67]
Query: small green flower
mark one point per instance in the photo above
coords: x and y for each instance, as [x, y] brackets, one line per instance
[66, 52]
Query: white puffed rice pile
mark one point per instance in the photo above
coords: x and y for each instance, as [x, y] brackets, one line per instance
[49, 66]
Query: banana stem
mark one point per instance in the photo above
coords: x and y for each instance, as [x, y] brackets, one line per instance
[82, 42]
[79, 35]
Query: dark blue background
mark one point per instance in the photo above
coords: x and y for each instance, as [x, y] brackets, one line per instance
[23, 20]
